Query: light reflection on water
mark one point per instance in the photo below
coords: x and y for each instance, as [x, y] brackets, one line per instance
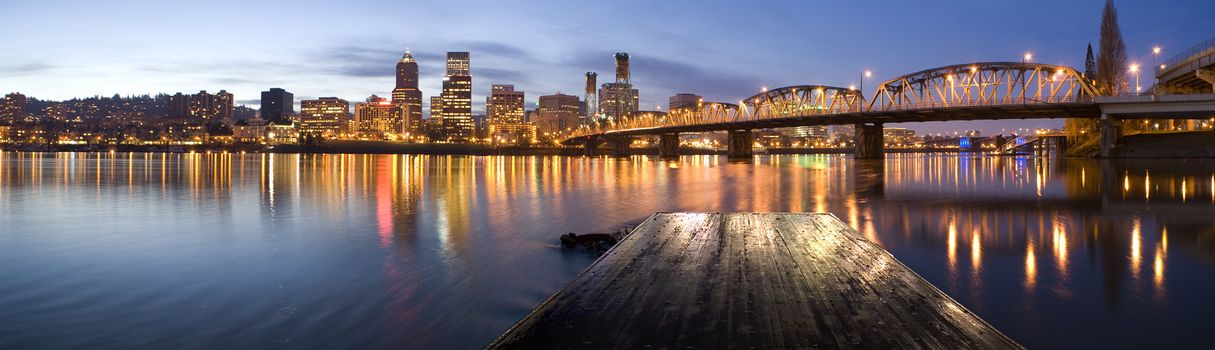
[223, 250]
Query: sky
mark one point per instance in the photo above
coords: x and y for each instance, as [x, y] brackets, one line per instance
[722, 50]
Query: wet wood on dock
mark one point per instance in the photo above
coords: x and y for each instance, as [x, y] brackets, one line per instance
[749, 280]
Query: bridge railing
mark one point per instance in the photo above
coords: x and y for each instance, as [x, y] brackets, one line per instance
[1186, 55]
[747, 113]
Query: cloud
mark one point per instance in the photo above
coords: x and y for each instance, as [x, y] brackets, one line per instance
[489, 48]
[26, 69]
[659, 77]
[499, 76]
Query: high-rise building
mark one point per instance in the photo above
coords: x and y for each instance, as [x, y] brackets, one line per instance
[204, 107]
[13, 108]
[457, 98]
[276, 104]
[179, 106]
[505, 113]
[325, 116]
[557, 113]
[619, 99]
[406, 92]
[381, 117]
[225, 106]
[504, 104]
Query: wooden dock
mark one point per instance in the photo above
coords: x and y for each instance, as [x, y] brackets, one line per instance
[749, 280]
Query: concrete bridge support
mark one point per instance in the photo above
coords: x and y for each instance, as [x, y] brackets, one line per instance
[739, 144]
[1207, 75]
[1111, 131]
[620, 146]
[668, 145]
[869, 142]
[591, 146]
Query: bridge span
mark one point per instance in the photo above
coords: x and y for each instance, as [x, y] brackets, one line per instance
[973, 91]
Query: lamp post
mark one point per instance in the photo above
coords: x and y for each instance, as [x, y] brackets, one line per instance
[1027, 58]
[865, 75]
[1135, 70]
[1155, 52]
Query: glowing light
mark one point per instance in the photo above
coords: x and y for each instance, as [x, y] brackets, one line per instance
[1031, 266]
[1156, 50]
[1136, 244]
[1134, 68]
[1028, 56]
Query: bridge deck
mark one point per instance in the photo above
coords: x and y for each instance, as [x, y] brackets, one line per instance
[759, 280]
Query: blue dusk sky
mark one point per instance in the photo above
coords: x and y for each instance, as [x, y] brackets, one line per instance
[723, 50]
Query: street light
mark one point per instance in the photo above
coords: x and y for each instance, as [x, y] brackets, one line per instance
[1155, 52]
[1028, 57]
[1135, 70]
[867, 74]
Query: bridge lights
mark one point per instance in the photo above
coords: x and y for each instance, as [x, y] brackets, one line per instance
[1027, 58]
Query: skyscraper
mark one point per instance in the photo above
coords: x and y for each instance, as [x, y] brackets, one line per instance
[406, 92]
[457, 98]
[276, 104]
[505, 112]
[324, 116]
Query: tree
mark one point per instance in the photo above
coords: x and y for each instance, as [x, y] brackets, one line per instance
[1090, 67]
[1111, 61]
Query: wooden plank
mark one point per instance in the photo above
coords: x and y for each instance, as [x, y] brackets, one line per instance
[749, 280]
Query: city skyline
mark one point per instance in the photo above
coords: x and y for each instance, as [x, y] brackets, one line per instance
[671, 53]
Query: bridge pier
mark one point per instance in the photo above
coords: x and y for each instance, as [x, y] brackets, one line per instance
[1111, 131]
[1207, 75]
[590, 146]
[739, 144]
[620, 146]
[668, 145]
[869, 142]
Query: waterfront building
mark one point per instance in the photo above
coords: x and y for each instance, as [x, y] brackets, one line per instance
[324, 116]
[252, 130]
[179, 106]
[407, 94]
[590, 103]
[505, 113]
[380, 118]
[276, 103]
[557, 113]
[457, 99]
[898, 136]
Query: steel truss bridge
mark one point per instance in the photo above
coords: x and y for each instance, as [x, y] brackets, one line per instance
[973, 91]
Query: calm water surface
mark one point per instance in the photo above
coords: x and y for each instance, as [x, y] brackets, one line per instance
[135, 250]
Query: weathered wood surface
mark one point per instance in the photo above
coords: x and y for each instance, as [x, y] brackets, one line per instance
[749, 280]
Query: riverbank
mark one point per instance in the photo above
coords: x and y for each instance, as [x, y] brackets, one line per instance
[1200, 144]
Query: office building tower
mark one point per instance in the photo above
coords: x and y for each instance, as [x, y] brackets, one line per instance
[505, 113]
[557, 114]
[380, 117]
[325, 116]
[457, 99]
[406, 91]
[276, 104]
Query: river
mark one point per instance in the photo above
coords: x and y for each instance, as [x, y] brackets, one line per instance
[231, 250]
